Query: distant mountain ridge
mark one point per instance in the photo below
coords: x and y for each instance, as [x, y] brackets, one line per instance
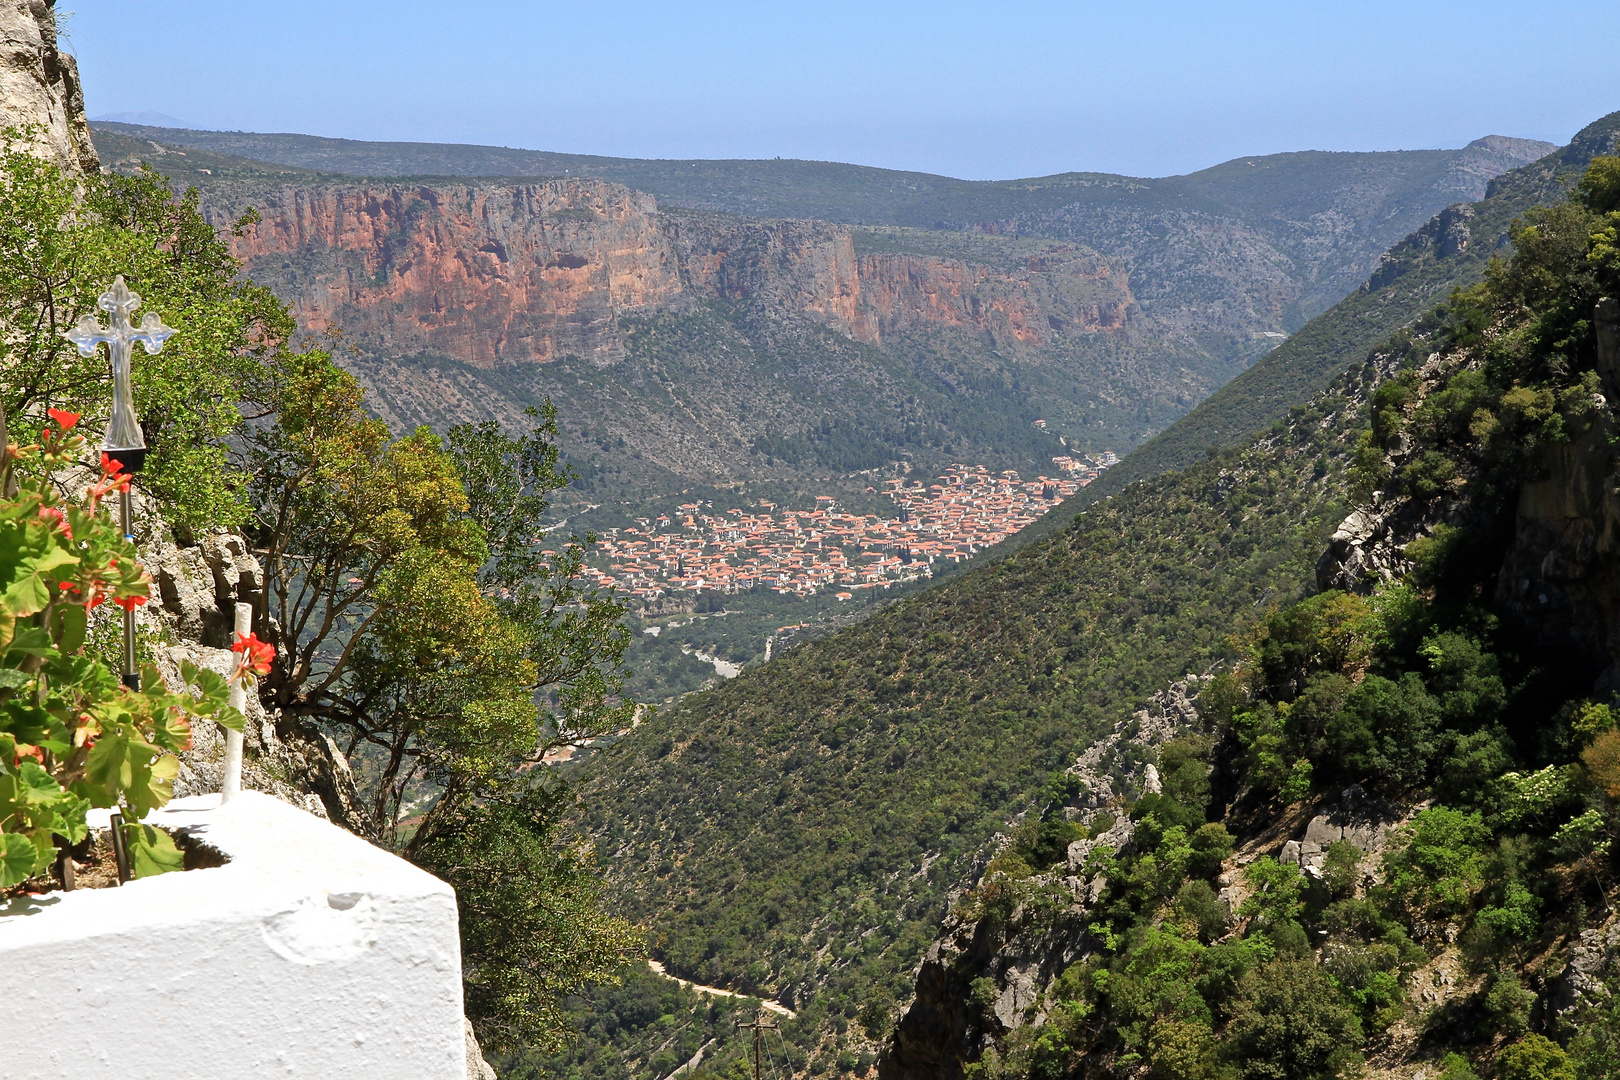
[1449, 251]
[699, 347]
[1296, 230]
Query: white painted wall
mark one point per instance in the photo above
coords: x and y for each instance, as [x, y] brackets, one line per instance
[310, 954]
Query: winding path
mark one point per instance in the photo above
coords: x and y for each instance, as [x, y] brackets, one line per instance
[770, 1006]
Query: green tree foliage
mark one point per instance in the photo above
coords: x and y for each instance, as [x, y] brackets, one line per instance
[535, 926]
[421, 621]
[1289, 1023]
[1534, 1057]
[419, 617]
[1437, 863]
[62, 241]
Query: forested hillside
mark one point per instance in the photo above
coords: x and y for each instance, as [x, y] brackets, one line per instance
[795, 832]
[844, 777]
[1384, 839]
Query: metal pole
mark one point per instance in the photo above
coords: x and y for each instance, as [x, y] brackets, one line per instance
[132, 678]
[233, 739]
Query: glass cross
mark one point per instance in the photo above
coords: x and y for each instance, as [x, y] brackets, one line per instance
[123, 432]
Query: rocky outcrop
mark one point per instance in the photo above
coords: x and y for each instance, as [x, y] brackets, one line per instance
[1594, 962]
[39, 87]
[1070, 290]
[477, 1067]
[986, 975]
[1561, 575]
[197, 586]
[805, 267]
[1357, 818]
[1445, 235]
[1560, 571]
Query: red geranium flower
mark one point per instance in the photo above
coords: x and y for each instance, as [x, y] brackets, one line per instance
[51, 513]
[256, 654]
[63, 419]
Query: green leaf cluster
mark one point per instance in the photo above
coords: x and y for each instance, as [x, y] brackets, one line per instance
[72, 736]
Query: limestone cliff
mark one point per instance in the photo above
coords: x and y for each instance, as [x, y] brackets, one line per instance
[1069, 290]
[488, 275]
[39, 87]
[498, 275]
[1558, 563]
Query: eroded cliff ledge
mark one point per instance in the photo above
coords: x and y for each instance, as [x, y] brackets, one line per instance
[499, 275]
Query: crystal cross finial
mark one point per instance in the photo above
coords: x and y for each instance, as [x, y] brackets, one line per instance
[122, 303]
[123, 432]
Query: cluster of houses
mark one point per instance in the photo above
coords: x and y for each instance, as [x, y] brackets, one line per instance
[1085, 467]
[804, 552]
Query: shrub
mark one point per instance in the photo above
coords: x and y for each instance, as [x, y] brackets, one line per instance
[1437, 862]
[1211, 845]
[1507, 1005]
[1386, 733]
[1534, 1057]
[1289, 1023]
[1602, 761]
[1456, 1067]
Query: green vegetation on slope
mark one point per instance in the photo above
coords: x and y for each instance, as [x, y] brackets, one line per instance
[795, 831]
[1467, 712]
[1415, 275]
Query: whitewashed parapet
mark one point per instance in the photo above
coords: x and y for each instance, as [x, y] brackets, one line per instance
[310, 953]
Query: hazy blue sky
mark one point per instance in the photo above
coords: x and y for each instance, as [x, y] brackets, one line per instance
[972, 90]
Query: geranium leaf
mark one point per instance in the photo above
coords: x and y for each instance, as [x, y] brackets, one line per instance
[228, 717]
[154, 852]
[38, 786]
[72, 623]
[33, 641]
[17, 855]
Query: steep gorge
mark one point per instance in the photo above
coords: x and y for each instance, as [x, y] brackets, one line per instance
[684, 340]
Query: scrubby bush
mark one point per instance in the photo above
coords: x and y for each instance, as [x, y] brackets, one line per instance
[1534, 1057]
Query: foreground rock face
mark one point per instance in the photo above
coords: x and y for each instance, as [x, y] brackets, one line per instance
[986, 976]
[1560, 574]
[39, 87]
[198, 585]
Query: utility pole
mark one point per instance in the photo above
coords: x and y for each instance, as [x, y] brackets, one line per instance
[759, 1025]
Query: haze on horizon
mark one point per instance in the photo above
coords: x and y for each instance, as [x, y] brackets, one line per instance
[969, 90]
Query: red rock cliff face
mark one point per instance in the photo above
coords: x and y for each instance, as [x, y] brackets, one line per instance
[1063, 292]
[486, 275]
[509, 275]
[805, 266]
